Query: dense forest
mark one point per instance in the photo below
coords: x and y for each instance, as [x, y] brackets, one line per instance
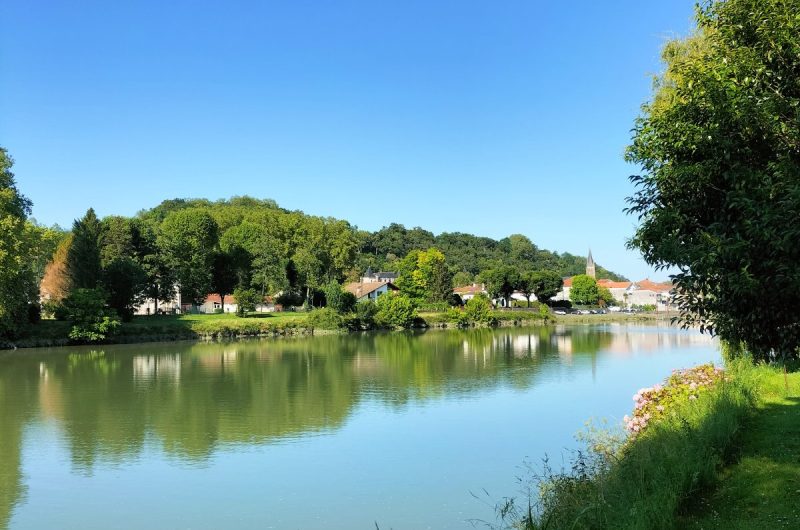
[466, 254]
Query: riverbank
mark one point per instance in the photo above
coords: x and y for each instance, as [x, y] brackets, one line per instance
[705, 450]
[163, 328]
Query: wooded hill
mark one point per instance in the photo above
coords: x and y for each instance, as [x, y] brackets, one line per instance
[466, 254]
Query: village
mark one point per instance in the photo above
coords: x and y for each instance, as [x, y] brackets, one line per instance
[641, 295]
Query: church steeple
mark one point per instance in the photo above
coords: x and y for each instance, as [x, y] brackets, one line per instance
[590, 271]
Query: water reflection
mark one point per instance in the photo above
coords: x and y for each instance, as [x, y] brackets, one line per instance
[191, 399]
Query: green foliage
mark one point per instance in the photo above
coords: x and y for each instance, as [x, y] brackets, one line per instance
[188, 239]
[246, 300]
[83, 258]
[91, 320]
[467, 253]
[584, 290]
[224, 275]
[462, 278]
[546, 284]
[478, 309]
[604, 295]
[501, 282]
[124, 280]
[395, 310]
[338, 299]
[17, 275]
[719, 189]
[326, 318]
[366, 311]
[423, 275]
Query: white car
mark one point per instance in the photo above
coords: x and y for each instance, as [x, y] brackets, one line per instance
[615, 309]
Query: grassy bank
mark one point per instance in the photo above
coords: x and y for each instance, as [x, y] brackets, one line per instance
[761, 486]
[178, 327]
[675, 466]
[227, 325]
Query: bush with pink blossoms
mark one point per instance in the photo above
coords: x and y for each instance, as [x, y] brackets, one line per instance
[654, 402]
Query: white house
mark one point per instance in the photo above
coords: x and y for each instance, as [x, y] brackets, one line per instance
[372, 277]
[370, 290]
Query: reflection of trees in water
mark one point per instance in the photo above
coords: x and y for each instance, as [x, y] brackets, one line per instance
[191, 398]
[17, 401]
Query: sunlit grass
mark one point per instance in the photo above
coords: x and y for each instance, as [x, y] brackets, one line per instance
[761, 488]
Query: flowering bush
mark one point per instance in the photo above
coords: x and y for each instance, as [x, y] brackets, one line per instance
[656, 401]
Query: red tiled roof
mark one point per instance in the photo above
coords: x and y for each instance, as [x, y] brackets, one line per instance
[610, 284]
[648, 285]
[214, 298]
[469, 289]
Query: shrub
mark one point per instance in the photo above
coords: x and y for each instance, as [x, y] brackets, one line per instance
[326, 318]
[338, 299]
[459, 317]
[365, 313]
[92, 320]
[478, 309]
[434, 307]
[395, 311]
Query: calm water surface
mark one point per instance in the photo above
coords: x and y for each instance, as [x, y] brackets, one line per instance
[323, 432]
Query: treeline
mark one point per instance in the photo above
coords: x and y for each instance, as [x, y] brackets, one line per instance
[107, 267]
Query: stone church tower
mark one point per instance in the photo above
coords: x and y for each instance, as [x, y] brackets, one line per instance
[590, 265]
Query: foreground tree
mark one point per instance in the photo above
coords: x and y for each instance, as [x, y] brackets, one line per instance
[17, 282]
[719, 193]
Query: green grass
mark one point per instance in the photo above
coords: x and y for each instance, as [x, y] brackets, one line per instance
[178, 327]
[761, 488]
[646, 483]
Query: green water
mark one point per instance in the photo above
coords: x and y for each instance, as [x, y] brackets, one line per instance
[402, 429]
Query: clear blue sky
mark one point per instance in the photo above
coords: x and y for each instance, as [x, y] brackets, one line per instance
[485, 117]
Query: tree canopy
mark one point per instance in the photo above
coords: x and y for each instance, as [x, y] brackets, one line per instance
[719, 192]
[17, 280]
[584, 290]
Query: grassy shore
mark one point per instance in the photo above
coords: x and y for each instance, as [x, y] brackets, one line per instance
[228, 325]
[178, 327]
[728, 457]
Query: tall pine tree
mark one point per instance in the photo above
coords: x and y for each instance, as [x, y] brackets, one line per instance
[83, 259]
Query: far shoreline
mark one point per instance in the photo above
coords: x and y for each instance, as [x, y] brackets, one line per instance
[298, 328]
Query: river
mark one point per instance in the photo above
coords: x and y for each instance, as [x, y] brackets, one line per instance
[403, 430]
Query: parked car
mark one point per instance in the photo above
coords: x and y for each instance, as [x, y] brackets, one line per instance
[560, 312]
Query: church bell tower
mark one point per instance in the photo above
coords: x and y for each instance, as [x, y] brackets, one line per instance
[590, 265]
